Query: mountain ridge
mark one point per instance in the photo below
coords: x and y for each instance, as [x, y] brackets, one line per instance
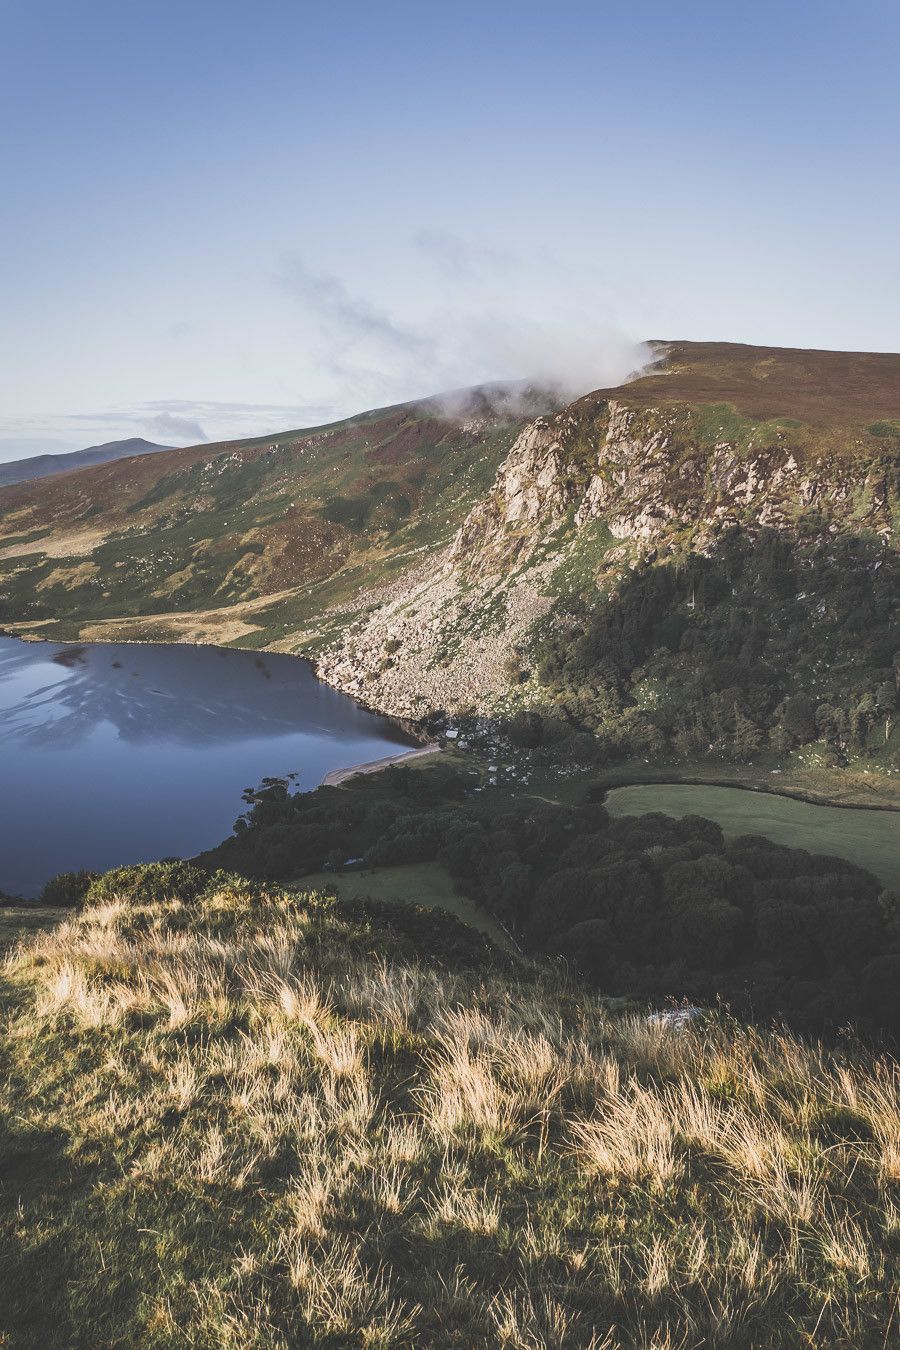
[45, 466]
[427, 557]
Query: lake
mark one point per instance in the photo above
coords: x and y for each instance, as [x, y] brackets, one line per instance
[113, 753]
[869, 838]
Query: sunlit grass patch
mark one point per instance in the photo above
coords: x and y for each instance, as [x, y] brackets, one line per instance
[249, 1121]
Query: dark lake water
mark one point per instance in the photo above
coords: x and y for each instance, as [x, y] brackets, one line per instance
[116, 753]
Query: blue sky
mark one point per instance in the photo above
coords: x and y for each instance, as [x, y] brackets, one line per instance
[225, 218]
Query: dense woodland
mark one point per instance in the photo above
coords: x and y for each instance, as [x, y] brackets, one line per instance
[648, 906]
[766, 643]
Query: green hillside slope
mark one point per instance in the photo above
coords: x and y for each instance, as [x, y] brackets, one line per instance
[279, 528]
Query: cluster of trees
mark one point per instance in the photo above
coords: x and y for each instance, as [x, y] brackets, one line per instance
[645, 906]
[651, 906]
[285, 833]
[769, 642]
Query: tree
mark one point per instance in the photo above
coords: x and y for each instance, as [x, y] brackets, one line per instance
[832, 726]
[747, 736]
[886, 704]
[861, 720]
[592, 947]
[798, 716]
[706, 933]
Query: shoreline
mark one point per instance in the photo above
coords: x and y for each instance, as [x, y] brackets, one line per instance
[338, 776]
[410, 725]
[608, 781]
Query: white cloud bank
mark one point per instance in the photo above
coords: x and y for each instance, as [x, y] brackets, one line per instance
[367, 355]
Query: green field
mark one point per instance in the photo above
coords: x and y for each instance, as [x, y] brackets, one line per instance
[871, 839]
[427, 884]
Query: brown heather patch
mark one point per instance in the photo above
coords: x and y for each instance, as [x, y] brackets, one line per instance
[69, 577]
[843, 390]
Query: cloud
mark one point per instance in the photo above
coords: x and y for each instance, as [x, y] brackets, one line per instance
[372, 357]
[350, 320]
[496, 326]
[215, 408]
[177, 428]
[574, 354]
[460, 260]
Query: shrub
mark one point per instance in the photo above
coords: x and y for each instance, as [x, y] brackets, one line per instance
[149, 882]
[67, 888]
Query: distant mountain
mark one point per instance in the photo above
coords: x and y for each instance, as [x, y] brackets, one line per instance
[42, 466]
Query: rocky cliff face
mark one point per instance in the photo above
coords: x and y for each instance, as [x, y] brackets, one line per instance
[657, 478]
[645, 473]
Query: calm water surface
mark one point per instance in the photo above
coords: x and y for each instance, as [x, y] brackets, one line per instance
[121, 753]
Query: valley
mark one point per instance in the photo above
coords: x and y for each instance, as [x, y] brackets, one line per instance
[449, 677]
[693, 576]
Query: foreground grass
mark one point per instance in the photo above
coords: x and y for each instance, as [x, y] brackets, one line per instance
[268, 1120]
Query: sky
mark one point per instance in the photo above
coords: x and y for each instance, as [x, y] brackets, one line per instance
[221, 218]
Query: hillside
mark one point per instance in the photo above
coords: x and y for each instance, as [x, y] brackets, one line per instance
[44, 466]
[625, 478]
[255, 538]
[700, 563]
[250, 1116]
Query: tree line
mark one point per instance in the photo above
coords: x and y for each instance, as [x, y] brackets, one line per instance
[649, 906]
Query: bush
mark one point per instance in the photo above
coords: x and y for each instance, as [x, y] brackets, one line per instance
[148, 883]
[67, 888]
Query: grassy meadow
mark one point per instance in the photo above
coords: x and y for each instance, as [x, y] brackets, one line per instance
[20, 921]
[234, 1116]
[868, 838]
[427, 884]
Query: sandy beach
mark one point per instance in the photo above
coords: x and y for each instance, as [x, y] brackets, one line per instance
[341, 775]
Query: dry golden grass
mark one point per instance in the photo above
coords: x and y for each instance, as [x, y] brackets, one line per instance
[250, 1122]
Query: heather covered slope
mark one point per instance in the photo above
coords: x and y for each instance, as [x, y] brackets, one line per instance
[850, 392]
[293, 539]
[265, 533]
[242, 1116]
